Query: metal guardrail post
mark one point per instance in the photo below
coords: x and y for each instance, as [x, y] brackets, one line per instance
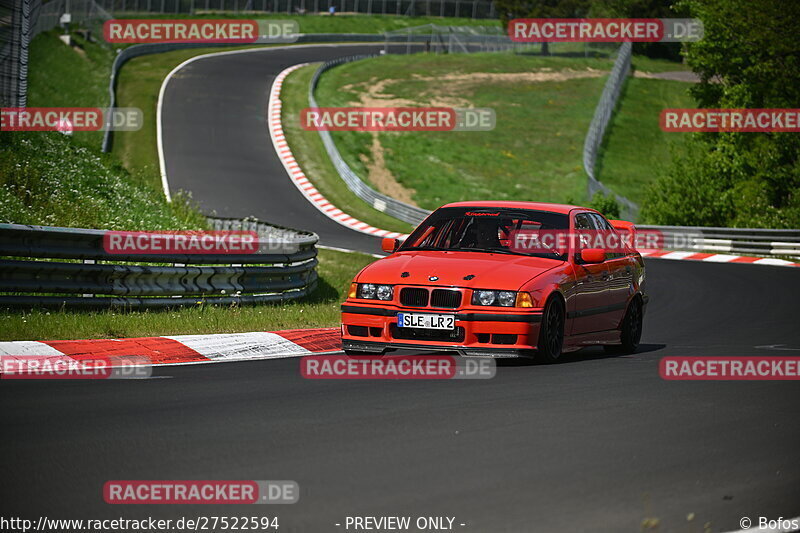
[283, 268]
[597, 129]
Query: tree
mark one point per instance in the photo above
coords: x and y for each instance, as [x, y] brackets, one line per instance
[748, 58]
[535, 9]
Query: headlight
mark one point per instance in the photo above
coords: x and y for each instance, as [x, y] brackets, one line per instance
[484, 297]
[384, 292]
[370, 291]
[495, 298]
[367, 291]
[506, 298]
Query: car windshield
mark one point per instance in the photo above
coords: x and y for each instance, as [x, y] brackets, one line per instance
[494, 230]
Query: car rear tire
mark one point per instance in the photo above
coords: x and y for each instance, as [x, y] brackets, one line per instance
[551, 334]
[631, 332]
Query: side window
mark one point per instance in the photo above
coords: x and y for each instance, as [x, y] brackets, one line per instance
[604, 225]
[583, 222]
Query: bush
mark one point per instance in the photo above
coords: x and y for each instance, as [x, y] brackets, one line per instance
[728, 180]
[747, 59]
[607, 205]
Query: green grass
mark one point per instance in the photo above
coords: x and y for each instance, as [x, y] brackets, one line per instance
[339, 23]
[321, 309]
[534, 153]
[47, 179]
[310, 153]
[636, 150]
[63, 76]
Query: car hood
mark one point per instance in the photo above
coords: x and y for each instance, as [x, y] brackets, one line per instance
[488, 271]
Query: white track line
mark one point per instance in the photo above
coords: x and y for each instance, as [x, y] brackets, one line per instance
[159, 129]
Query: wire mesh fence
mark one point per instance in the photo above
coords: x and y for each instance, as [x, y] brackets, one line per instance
[20, 22]
[475, 9]
[15, 28]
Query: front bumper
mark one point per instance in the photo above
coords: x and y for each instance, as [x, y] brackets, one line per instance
[494, 333]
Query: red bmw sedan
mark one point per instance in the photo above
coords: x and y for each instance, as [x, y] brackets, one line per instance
[501, 279]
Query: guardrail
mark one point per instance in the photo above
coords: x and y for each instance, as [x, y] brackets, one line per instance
[408, 213]
[597, 130]
[747, 241]
[283, 268]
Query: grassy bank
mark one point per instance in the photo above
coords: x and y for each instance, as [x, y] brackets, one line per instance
[321, 309]
[47, 179]
[636, 150]
[543, 107]
[64, 76]
[323, 23]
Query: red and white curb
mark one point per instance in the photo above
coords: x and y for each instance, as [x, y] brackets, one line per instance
[716, 258]
[185, 349]
[296, 173]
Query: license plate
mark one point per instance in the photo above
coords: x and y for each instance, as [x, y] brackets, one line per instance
[425, 321]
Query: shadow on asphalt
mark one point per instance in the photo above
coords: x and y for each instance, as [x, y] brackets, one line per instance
[585, 354]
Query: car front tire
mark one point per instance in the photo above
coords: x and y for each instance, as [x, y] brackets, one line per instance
[551, 333]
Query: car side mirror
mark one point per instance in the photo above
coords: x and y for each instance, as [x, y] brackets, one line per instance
[593, 255]
[389, 245]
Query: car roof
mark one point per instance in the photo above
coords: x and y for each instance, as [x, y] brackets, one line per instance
[537, 206]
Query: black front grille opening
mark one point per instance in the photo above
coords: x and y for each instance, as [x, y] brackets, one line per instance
[375, 332]
[445, 298]
[357, 331]
[504, 338]
[438, 335]
[414, 297]
[483, 337]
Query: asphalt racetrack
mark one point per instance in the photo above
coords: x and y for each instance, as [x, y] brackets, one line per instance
[597, 443]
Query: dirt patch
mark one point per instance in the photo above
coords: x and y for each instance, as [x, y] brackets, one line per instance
[374, 92]
[679, 75]
[442, 91]
[381, 176]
